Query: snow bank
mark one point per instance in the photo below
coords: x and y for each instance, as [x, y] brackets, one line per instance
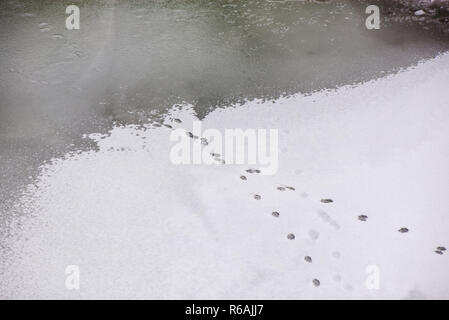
[139, 227]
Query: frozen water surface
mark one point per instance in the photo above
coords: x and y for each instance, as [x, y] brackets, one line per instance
[87, 179]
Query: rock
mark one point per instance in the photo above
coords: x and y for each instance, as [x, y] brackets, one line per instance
[308, 259]
[257, 197]
[439, 252]
[441, 248]
[291, 236]
[420, 13]
[204, 141]
[190, 134]
[243, 177]
[363, 217]
[177, 120]
[253, 170]
[327, 200]
[290, 188]
[275, 214]
[281, 188]
[168, 126]
[336, 278]
[403, 230]
[316, 282]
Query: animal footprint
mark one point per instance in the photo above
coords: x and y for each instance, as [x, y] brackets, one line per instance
[328, 219]
[336, 254]
[347, 287]
[57, 36]
[216, 157]
[44, 27]
[313, 234]
[440, 250]
[283, 188]
[337, 278]
[363, 217]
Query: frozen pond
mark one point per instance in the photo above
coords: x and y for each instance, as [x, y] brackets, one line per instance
[132, 61]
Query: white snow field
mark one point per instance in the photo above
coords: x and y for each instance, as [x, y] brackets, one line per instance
[138, 226]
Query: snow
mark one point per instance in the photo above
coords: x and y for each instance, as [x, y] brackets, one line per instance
[139, 226]
[420, 13]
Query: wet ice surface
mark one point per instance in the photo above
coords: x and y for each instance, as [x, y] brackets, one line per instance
[140, 227]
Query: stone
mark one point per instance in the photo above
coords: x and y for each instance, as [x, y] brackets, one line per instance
[420, 13]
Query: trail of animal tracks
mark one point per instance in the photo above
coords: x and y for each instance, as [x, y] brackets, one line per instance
[140, 227]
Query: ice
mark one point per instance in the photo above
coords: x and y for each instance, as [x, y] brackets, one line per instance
[140, 227]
